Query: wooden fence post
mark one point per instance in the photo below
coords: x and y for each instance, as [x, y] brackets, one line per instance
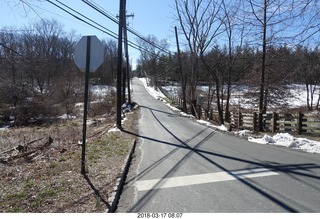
[254, 122]
[299, 125]
[199, 111]
[239, 119]
[274, 122]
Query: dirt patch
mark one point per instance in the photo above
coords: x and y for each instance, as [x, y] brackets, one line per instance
[50, 180]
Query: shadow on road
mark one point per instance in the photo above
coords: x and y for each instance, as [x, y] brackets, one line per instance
[293, 170]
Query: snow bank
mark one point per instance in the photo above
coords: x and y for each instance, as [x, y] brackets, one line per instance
[287, 140]
[221, 127]
[160, 96]
[151, 90]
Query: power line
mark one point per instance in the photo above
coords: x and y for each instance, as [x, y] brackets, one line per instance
[109, 32]
[99, 9]
[100, 28]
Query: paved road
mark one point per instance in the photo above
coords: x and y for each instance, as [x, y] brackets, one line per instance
[183, 166]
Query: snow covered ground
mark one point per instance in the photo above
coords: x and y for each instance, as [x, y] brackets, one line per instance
[102, 90]
[280, 139]
[297, 99]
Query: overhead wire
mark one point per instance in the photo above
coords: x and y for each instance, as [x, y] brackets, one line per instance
[108, 32]
[100, 28]
[102, 11]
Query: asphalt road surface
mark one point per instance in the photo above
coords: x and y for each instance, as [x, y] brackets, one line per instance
[182, 166]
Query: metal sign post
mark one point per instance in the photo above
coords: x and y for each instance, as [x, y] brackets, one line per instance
[85, 108]
[88, 56]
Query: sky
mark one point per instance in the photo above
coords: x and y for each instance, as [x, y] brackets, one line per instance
[151, 17]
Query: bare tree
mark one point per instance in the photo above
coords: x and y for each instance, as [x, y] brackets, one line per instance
[34, 67]
[274, 21]
[307, 69]
[110, 62]
[200, 25]
[151, 57]
[235, 35]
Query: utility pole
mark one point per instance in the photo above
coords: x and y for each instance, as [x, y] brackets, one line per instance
[124, 82]
[183, 79]
[126, 72]
[119, 62]
[127, 54]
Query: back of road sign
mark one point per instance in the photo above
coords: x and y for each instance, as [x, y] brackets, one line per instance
[96, 53]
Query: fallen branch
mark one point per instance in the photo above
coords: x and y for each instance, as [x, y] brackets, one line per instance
[20, 147]
[28, 155]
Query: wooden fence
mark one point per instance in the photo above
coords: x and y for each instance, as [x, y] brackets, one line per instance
[300, 123]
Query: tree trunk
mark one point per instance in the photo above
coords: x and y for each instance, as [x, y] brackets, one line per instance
[219, 105]
[263, 70]
[193, 84]
[227, 111]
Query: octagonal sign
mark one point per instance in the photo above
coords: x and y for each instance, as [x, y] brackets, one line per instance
[96, 53]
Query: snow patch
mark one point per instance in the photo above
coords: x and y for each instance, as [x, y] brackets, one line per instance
[4, 128]
[66, 117]
[243, 133]
[114, 129]
[221, 127]
[287, 140]
[123, 120]
[186, 115]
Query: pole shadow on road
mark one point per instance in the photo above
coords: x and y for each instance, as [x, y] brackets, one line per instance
[160, 111]
[293, 170]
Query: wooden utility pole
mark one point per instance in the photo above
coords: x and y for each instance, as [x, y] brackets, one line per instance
[127, 53]
[126, 72]
[119, 61]
[183, 79]
[124, 82]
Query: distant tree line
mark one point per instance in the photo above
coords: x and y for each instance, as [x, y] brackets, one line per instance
[285, 66]
[38, 77]
[265, 44]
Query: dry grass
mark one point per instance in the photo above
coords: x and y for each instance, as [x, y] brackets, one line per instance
[52, 181]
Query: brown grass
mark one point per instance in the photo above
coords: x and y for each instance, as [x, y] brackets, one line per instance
[51, 182]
